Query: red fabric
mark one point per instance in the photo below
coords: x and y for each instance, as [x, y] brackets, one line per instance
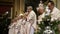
[3, 9]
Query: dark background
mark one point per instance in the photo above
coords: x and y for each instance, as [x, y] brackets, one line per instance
[33, 3]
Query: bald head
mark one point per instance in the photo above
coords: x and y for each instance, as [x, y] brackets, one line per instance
[41, 10]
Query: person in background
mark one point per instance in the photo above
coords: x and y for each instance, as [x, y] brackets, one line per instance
[42, 14]
[15, 26]
[55, 12]
[12, 28]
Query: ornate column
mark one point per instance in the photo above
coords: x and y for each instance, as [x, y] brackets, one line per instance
[22, 6]
[18, 7]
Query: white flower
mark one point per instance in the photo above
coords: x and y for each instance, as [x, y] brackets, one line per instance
[37, 8]
[52, 19]
[48, 19]
[51, 24]
[47, 14]
[47, 28]
[55, 19]
[39, 28]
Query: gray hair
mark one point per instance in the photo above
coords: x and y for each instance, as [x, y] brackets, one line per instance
[30, 7]
[40, 8]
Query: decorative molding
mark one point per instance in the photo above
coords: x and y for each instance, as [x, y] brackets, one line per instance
[6, 3]
[6, 0]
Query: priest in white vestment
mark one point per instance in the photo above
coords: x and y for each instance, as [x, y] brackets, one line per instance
[55, 13]
[20, 27]
[12, 28]
[42, 14]
[31, 16]
[15, 27]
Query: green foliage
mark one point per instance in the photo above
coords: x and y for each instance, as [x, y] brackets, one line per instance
[53, 24]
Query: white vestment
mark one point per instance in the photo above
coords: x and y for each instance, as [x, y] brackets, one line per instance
[32, 16]
[18, 26]
[23, 27]
[55, 14]
[12, 28]
[15, 27]
[40, 17]
[29, 28]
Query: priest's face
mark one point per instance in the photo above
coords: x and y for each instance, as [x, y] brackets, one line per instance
[50, 6]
